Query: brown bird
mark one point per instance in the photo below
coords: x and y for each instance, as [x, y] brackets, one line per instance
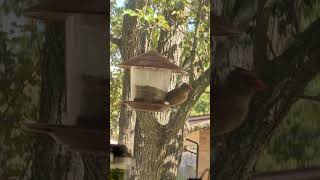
[179, 95]
[73, 137]
[233, 99]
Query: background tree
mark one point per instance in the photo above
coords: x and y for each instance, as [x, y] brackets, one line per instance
[279, 43]
[178, 30]
[19, 87]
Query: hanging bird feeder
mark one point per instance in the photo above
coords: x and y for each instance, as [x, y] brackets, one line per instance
[85, 67]
[150, 75]
[221, 28]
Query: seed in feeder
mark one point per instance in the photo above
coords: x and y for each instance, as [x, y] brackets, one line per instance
[149, 93]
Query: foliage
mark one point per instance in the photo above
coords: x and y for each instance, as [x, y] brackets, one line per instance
[296, 143]
[116, 74]
[202, 106]
[115, 91]
[117, 174]
[19, 92]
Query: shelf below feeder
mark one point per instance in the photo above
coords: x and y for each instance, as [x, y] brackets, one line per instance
[74, 137]
[147, 106]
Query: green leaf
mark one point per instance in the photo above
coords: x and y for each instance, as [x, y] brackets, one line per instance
[130, 12]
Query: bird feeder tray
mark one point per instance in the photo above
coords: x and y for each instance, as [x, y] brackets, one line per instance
[60, 9]
[147, 106]
[151, 59]
[221, 28]
[76, 138]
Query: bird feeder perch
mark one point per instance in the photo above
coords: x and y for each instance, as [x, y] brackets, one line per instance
[86, 63]
[150, 75]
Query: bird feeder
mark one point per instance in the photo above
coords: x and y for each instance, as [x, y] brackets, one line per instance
[86, 69]
[150, 75]
[86, 63]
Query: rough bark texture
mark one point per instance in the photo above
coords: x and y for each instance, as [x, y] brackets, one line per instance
[286, 74]
[51, 160]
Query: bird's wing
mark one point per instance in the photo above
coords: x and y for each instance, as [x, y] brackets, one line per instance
[177, 96]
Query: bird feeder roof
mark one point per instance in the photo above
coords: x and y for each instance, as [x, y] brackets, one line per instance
[221, 28]
[60, 9]
[151, 59]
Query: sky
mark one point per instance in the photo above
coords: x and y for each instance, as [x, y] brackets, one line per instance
[120, 3]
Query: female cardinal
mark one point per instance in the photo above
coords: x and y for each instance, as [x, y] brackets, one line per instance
[179, 95]
[233, 99]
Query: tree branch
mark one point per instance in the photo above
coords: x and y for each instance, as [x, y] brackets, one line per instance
[300, 57]
[178, 120]
[116, 41]
[195, 43]
[271, 48]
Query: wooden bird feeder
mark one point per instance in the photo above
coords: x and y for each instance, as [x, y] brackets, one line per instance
[150, 75]
[221, 28]
[86, 63]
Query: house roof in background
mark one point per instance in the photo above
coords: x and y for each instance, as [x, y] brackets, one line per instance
[198, 119]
